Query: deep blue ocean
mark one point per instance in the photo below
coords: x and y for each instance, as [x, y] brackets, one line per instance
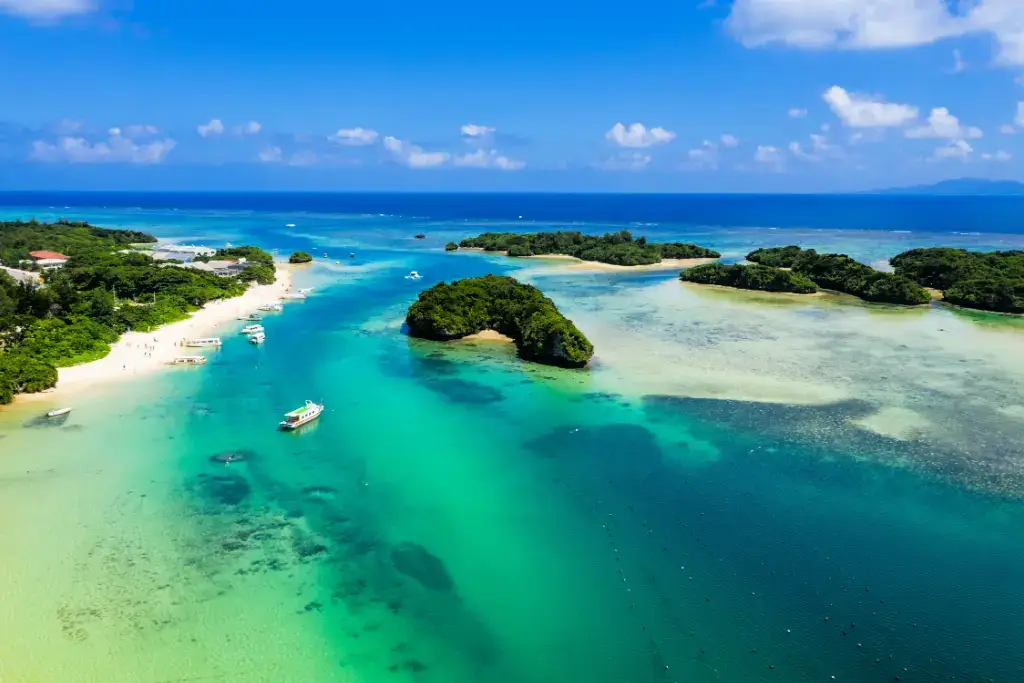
[964, 214]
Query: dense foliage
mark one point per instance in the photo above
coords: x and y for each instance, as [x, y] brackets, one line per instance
[522, 312]
[777, 257]
[841, 273]
[618, 248]
[300, 257]
[102, 291]
[18, 238]
[451, 246]
[992, 281]
[755, 276]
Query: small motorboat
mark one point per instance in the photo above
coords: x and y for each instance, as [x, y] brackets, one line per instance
[413, 275]
[294, 296]
[255, 316]
[351, 254]
[57, 412]
[301, 416]
[305, 290]
[289, 225]
[187, 360]
[270, 307]
[420, 236]
[257, 338]
[252, 329]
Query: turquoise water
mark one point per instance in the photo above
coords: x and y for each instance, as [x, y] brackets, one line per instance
[459, 516]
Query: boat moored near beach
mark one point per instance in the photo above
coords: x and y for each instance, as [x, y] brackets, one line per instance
[58, 412]
[187, 360]
[257, 338]
[203, 341]
[252, 329]
[294, 296]
[270, 307]
[301, 416]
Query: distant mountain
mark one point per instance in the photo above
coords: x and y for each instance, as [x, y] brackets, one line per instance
[961, 186]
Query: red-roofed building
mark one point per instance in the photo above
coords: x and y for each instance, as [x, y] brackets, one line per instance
[48, 259]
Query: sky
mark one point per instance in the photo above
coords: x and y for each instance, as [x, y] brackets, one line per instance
[682, 96]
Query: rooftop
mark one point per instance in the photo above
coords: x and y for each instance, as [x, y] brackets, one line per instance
[48, 255]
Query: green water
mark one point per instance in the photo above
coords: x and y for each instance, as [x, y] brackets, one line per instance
[457, 516]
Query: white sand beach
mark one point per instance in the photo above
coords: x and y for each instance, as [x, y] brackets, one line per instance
[573, 264]
[139, 353]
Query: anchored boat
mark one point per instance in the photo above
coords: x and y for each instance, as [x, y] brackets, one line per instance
[257, 338]
[187, 360]
[252, 329]
[301, 416]
[58, 412]
[204, 341]
[270, 307]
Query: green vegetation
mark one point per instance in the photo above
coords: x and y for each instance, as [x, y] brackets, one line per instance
[776, 257]
[103, 291]
[300, 257]
[841, 273]
[991, 281]
[755, 276]
[522, 312]
[618, 248]
[451, 246]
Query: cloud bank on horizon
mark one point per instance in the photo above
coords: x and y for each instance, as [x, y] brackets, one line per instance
[845, 118]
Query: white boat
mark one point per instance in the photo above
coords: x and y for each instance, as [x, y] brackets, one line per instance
[301, 416]
[305, 290]
[257, 338]
[413, 275]
[252, 329]
[294, 296]
[252, 316]
[203, 341]
[270, 307]
[187, 360]
[289, 225]
[58, 412]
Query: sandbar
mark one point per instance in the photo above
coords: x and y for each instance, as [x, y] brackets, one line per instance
[579, 265]
[487, 335]
[139, 353]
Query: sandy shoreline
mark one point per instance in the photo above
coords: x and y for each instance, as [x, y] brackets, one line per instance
[575, 264]
[139, 353]
[486, 335]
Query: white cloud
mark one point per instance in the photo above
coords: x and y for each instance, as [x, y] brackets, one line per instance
[355, 137]
[270, 155]
[729, 141]
[116, 148]
[214, 127]
[1007, 129]
[47, 9]
[959, 149]
[874, 24]
[250, 128]
[863, 111]
[412, 155]
[998, 156]
[472, 130]
[1020, 114]
[959, 65]
[768, 156]
[489, 158]
[942, 124]
[626, 161]
[703, 157]
[638, 136]
[139, 131]
[819, 149]
[797, 113]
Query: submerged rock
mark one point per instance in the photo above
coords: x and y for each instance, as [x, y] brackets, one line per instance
[417, 562]
[227, 489]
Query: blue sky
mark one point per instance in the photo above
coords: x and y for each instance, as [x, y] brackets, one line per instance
[748, 95]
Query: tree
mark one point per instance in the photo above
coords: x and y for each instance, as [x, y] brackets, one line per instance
[300, 257]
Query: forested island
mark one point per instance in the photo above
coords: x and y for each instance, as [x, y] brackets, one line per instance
[755, 276]
[300, 257]
[492, 302]
[619, 248]
[841, 273]
[990, 281]
[104, 288]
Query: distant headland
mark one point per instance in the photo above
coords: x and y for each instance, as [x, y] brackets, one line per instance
[960, 186]
[519, 311]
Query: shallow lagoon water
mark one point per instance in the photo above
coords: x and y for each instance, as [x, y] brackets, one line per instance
[739, 490]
